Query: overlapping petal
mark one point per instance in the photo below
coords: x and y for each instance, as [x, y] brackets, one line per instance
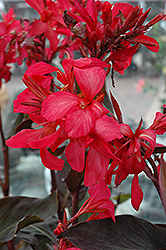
[90, 80]
[57, 105]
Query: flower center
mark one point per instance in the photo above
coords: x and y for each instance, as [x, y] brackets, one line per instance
[83, 103]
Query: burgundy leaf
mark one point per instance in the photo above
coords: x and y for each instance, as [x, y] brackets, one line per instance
[128, 232]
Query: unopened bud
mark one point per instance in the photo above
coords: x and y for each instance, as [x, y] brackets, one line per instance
[80, 30]
[69, 21]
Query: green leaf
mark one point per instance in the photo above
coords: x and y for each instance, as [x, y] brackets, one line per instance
[19, 212]
[128, 232]
[122, 197]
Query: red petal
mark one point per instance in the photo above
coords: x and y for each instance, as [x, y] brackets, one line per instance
[116, 108]
[136, 193]
[75, 153]
[96, 164]
[125, 8]
[90, 80]
[38, 27]
[148, 42]
[97, 109]
[107, 128]
[46, 141]
[40, 68]
[126, 130]
[52, 37]
[22, 138]
[38, 5]
[50, 161]
[57, 105]
[79, 122]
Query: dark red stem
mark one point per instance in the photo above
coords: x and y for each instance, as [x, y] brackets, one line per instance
[53, 181]
[5, 183]
[75, 201]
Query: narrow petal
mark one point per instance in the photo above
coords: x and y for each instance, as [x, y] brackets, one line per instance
[22, 138]
[46, 141]
[136, 193]
[90, 80]
[148, 42]
[50, 161]
[57, 105]
[38, 5]
[52, 37]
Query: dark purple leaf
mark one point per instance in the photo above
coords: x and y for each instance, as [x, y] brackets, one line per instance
[128, 232]
[40, 235]
[18, 212]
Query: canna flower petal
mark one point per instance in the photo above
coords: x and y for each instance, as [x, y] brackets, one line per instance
[75, 153]
[97, 109]
[50, 161]
[22, 138]
[79, 122]
[40, 68]
[136, 193]
[97, 161]
[38, 5]
[107, 128]
[90, 80]
[159, 123]
[38, 27]
[148, 42]
[99, 202]
[57, 105]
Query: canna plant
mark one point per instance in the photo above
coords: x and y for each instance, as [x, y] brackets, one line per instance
[73, 123]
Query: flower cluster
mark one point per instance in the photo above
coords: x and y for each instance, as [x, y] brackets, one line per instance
[113, 36]
[116, 35]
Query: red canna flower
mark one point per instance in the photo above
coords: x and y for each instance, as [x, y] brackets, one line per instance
[9, 24]
[80, 111]
[159, 124]
[47, 21]
[30, 101]
[99, 203]
[133, 150]
[118, 35]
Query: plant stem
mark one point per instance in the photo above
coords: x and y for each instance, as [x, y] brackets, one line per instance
[5, 184]
[75, 201]
[53, 181]
[10, 245]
